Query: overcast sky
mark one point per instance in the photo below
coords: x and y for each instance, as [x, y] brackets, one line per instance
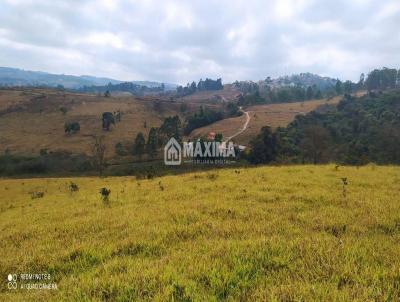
[181, 41]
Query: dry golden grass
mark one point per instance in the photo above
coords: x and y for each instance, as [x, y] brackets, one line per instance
[39, 124]
[273, 115]
[257, 234]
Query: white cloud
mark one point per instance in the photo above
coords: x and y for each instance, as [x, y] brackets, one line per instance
[181, 41]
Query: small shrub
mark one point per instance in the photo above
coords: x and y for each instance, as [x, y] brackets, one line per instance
[105, 193]
[36, 194]
[72, 127]
[345, 183]
[63, 110]
[73, 187]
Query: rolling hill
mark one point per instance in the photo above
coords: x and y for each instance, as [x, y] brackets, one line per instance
[10, 77]
[31, 120]
[273, 115]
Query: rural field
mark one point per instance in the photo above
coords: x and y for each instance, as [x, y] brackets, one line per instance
[294, 233]
[273, 115]
[31, 120]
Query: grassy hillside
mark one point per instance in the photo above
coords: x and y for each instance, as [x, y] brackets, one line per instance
[272, 233]
[273, 115]
[31, 120]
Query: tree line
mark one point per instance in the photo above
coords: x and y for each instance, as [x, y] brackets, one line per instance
[206, 116]
[130, 87]
[385, 78]
[173, 127]
[202, 85]
[157, 137]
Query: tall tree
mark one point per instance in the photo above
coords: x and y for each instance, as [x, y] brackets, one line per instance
[263, 147]
[152, 143]
[99, 152]
[348, 87]
[139, 145]
[309, 93]
[361, 82]
[388, 77]
[314, 143]
[171, 127]
[373, 80]
[193, 87]
[338, 87]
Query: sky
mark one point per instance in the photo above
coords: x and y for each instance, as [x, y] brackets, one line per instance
[181, 41]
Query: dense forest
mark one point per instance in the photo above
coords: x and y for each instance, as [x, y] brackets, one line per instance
[356, 131]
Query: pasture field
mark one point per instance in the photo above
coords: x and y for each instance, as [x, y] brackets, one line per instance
[294, 233]
[272, 115]
[31, 120]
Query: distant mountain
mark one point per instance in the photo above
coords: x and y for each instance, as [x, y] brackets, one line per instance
[20, 77]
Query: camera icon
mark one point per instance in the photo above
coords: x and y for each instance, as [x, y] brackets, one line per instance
[12, 281]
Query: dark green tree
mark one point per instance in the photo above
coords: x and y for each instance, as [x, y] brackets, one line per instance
[139, 145]
[389, 76]
[218, 137]
[338, 87]
[264, 147]
[348, 87]
[361, 82]
[373, 80]
[152, 143]
[310, 93]
[314, 143]
[171, 127]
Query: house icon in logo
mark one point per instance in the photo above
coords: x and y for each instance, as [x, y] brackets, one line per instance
[172, 153]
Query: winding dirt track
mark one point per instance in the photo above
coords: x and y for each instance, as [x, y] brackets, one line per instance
[244, 126]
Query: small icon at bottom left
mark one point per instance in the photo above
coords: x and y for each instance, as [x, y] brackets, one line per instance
[12, 277]
[12, 281]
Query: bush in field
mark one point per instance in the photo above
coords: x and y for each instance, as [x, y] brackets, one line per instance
[63, 110]
[105, 193]
[36, 194]
[73, 187]
[72, 127]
